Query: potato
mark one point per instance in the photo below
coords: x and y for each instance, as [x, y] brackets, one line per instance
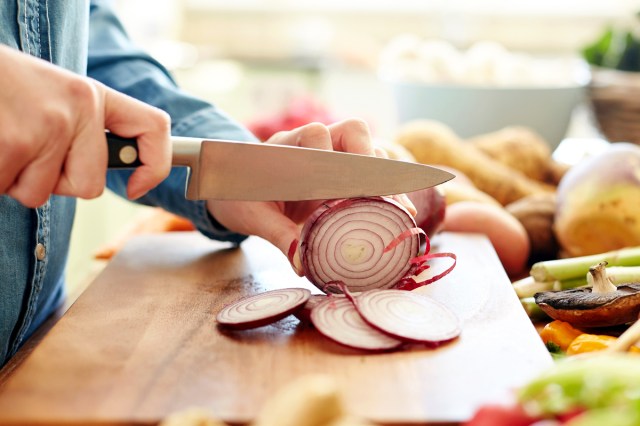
[311, 400]
[431, 142]
[536, 213]
[454, 192]
[506, 233]
[519, 148]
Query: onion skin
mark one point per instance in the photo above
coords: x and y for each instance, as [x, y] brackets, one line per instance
[431, 206]
[344, 241]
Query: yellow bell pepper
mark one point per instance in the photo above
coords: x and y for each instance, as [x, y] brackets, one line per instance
[560, 333]
[593, 342]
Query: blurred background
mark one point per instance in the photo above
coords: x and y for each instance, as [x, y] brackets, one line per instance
[274, 62]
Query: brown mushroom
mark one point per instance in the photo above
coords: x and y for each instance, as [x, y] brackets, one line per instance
[601, 305]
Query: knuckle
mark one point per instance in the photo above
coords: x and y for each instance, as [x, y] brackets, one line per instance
[357, 125]
[56, 123]
[17, 148]
[90, 188]
[314, 130]
[82, 91]
[29, 198]
[163, 120]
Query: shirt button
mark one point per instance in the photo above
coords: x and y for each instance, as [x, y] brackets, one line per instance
[41, 252]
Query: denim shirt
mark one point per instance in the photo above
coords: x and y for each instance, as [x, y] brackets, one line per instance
[87, 38]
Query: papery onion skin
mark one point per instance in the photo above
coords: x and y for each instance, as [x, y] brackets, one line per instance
[344, 241]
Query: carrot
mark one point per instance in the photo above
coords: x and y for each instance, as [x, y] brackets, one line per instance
[434, 143]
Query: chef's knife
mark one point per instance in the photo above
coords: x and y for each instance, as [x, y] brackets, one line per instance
[228, 170]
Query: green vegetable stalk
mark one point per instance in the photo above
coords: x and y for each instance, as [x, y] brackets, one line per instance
[528, 286]
[600, 383]
[577, 267]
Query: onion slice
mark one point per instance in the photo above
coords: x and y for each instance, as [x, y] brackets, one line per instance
[262, 309]
[408, 316]
[365, 243]
[338, 319]
[304, 313]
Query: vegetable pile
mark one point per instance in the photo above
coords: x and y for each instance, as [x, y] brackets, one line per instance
[569, 282]
[363, 253]
[589, 391]
[500, 176]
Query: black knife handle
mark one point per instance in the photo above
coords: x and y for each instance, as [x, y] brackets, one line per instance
[123, 152]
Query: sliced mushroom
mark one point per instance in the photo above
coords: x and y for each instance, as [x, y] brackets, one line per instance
[601, 305]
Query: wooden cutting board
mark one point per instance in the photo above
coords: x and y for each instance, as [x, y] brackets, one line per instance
[141, 342]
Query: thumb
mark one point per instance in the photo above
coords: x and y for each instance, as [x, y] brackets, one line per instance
[131, 118]
[262, 219]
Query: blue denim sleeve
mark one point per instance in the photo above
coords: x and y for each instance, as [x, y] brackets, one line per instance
[116, 62]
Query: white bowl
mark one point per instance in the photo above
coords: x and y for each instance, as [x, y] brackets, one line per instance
[474, 110]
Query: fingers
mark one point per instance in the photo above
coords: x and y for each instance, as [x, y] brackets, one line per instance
[403, 199]
[65, 155]
[263, 219]
[128, 117]
[85, 162]
[53, 140]
[352, 136]
[312, 135]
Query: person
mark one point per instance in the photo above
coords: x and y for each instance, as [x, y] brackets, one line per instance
[69, 71]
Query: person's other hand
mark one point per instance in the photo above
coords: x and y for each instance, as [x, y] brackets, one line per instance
[279, 222]
[52, 139]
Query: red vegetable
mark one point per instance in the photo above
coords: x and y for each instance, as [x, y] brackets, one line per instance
[408, 316]
[501, 415]
[304, 314]
[345, 241]
[431, 207]
[338, 319]
[262, 309]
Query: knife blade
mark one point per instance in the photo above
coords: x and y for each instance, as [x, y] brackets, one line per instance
[231, 170]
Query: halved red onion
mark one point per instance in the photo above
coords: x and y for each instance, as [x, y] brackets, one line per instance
[262, 309]
[338, 319]
[345, 241]
[408, 316]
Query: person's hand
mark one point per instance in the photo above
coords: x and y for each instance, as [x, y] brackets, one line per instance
[52, 139]
[279, 222]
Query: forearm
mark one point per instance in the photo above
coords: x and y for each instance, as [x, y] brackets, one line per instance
[116, 62]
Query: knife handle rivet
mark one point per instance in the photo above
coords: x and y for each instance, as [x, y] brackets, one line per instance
[128, 154]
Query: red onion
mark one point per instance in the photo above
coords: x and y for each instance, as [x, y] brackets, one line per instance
[304, 314]
[338, 319]
[365, 243]
[408, 316]
[262, 309]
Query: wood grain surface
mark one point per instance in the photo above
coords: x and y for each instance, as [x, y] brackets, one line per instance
[141, 342]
